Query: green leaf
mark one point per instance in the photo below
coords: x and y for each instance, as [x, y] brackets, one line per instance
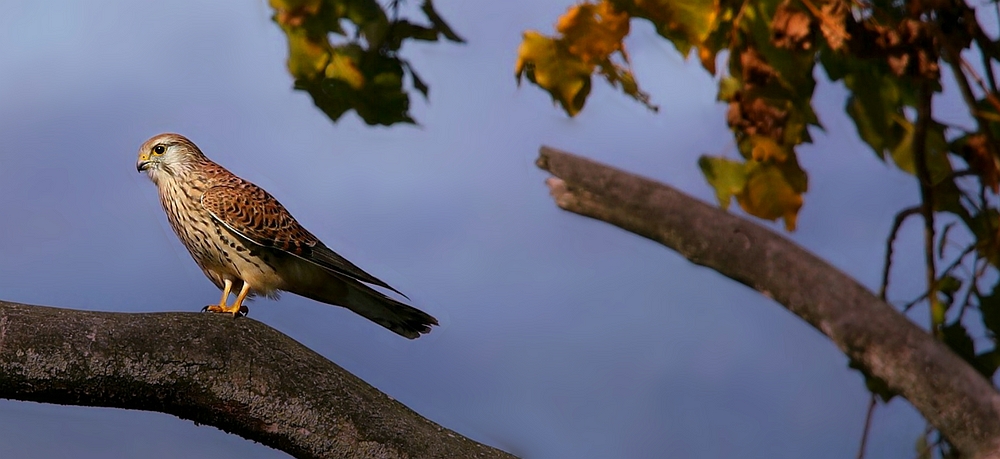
[989, 307]
[947, 286]
[988, 362]
[875, 108]
[958, 339]
[439, 24]
[358, 71]
[728, 88]
[936, 149]
[728, 177]
[984, 226]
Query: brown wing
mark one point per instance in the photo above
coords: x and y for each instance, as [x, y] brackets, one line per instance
[253, 213]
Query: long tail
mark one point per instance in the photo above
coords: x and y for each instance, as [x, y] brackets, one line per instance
[401, 318]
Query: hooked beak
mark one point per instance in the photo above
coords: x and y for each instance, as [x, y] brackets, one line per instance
[143, 163]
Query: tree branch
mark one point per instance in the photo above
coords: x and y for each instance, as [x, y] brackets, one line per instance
[238, 375]
[950, 394]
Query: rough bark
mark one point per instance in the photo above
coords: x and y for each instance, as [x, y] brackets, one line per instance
[949, 393]
[238, 375]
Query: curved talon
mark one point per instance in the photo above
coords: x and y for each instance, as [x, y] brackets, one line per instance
[205, 309]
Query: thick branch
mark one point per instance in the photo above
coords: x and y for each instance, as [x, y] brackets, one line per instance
[949, 393]
[238, 375]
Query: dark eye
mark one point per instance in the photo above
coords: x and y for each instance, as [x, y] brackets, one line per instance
[159, 149]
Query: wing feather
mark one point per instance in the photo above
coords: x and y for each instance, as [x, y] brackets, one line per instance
[251, 212]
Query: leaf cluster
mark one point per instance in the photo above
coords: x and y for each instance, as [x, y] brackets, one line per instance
[889, 55]
[345, 54]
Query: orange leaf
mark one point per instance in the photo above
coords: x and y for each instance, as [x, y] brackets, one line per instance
[593, 32]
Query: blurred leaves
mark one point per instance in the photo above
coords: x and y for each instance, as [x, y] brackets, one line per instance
[590, 40]
[548, 63]
[362, 69]
[686, 24]
[766, 189]
[888, 56]
[768, 87]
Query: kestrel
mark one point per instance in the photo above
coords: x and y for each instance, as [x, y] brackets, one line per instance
[244, 240]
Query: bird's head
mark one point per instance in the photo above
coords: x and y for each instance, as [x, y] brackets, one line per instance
[167, 154]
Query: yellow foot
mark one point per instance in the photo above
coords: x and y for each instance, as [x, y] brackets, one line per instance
[234, 310]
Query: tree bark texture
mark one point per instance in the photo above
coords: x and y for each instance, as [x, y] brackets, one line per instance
[949, 393]
[235, 374]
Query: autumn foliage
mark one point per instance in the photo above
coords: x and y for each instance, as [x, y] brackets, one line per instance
[360, 69]
[892, 57]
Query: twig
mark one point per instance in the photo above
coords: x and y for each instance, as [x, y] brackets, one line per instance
[973, 288]
[910, 304]
[988, 65]
[927, 198]
[990, 95]
[954, 60]
[868, 425]
[930, 445]
[965, 252]
[896, 224]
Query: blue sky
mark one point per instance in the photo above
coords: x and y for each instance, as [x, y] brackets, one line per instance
[561, 336]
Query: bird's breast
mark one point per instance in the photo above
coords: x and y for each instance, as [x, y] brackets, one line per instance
[219, 252]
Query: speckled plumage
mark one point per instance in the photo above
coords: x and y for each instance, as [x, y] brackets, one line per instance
[244, 239]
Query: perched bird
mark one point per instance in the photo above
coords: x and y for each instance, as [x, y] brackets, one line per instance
[245, 241]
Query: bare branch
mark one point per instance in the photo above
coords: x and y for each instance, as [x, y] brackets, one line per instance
[238, 375]
[945, 389]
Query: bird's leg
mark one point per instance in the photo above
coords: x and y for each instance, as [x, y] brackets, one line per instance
[238, 307]
[221, 307]
[225, 292]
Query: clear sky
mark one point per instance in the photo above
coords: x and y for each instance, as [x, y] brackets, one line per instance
[561, 337]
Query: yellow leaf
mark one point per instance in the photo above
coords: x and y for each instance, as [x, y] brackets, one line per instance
[306, 57]
[546, 62]
[773, 191]
[686, 23]
[292, 13]
[296, 4]
[593, 32]
[765, 148]
[706, 54]
[343, 68]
